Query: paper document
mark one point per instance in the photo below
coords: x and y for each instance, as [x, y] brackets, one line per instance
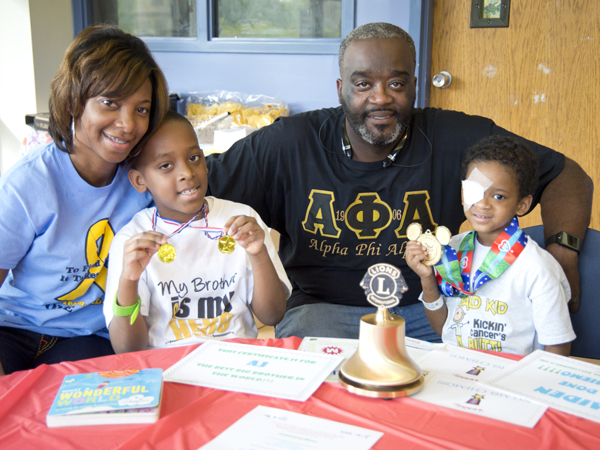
[253, 369]
[347, 347]
[266, 428]
[464, 364]
[560, 382]
[417, 349]
[482, 400]
[344, 348]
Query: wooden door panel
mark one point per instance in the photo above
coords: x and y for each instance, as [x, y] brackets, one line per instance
[539, 78]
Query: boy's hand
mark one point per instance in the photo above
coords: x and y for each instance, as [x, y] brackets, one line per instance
[415, 253]
[246, 232]
[137, 252]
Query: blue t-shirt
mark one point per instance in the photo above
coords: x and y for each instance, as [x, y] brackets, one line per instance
[55, 233]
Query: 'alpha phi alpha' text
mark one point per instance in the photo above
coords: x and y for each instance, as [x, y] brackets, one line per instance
[367, 216]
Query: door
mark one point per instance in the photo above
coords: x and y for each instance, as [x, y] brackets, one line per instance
[539, 78]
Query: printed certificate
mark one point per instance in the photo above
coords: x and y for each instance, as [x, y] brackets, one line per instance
[266, 428]
[253, 369]
[464, 364]
[347, 347]
[479, 399]
[560, 382]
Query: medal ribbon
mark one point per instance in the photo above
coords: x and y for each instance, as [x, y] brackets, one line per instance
[182, 226]
[454, 269]
[208, 230]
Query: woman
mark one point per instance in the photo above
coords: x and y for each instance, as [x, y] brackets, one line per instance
[62, 205]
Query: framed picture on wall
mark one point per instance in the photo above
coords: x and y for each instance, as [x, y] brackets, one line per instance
[489, 13]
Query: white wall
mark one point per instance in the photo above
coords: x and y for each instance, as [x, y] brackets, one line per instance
[52, 32]
[17, 86]
[30, 30]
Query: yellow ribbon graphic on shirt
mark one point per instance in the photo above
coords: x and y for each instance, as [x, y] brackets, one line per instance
[98, 240]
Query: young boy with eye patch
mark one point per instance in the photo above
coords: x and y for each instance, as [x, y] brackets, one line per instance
[192, 267]
[495, 289]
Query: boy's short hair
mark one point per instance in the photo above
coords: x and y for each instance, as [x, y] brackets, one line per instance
[103, 60]
[512, 153]
[170, 116]
[174, 116]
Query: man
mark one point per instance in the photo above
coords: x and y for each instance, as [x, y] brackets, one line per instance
[342, 185]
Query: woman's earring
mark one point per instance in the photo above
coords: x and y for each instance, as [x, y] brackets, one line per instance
[73, 127]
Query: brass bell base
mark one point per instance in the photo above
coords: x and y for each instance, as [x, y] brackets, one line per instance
[366, 390]
[381, 366]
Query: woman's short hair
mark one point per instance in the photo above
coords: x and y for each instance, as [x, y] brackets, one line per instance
[103, 60]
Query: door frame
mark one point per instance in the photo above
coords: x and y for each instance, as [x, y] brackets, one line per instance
[421, 30]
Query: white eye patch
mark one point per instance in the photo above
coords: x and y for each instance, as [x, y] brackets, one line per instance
[474, 188]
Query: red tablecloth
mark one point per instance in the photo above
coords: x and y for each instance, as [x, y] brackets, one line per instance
[192, 416]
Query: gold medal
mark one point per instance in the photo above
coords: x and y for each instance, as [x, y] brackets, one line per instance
[434, 244]
[166, 253]
[226, 244]
[434, 248]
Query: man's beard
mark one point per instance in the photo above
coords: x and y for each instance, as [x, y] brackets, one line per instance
[358, 125]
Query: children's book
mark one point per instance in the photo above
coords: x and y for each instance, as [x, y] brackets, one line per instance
[115, 397]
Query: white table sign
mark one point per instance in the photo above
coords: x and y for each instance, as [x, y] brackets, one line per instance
[479, 399]
[347, 347]
[266, 428]
[464, 364]
[563, 383]
[344, 348]
[268, 371]
[418, 349]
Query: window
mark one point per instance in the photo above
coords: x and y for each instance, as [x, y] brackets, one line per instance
[246, 26]
[283, 19]
[151, 18]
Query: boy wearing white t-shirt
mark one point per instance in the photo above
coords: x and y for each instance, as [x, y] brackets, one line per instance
[494, 288]
[191, 268]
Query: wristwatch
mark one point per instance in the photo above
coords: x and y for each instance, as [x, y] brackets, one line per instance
[566, 240]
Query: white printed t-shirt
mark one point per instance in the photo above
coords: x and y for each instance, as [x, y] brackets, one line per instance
[522, 310]
[203, 294]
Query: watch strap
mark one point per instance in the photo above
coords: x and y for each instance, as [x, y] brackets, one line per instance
[126, 311]
[562, 238]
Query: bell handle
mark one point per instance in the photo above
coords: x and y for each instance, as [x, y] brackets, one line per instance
[382, 316]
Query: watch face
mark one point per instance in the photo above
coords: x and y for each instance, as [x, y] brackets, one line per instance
[568, 240]
[572, 241]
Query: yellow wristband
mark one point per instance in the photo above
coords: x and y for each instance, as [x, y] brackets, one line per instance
[126, 311]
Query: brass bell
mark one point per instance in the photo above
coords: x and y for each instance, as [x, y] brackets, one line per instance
[381, 366]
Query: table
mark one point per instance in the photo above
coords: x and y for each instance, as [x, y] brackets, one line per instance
[192, 416]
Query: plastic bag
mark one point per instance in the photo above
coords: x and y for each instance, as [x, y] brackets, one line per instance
[245, 110]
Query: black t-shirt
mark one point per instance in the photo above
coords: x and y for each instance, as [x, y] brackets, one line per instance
[336, 216]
